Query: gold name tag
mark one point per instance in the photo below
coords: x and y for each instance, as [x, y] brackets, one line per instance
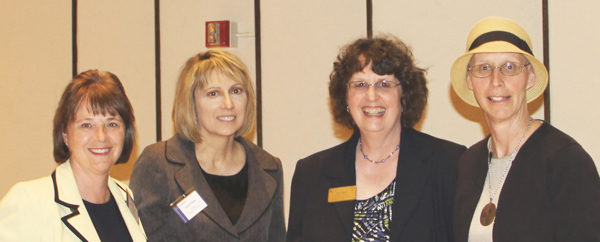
[340, 194]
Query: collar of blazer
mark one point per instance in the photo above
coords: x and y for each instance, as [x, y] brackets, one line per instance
[262, 184]
[74, 214]
[180, 150]
[411, 176]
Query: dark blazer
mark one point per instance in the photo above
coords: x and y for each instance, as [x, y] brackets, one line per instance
[166, 170]
[552, 192]
[422, 209]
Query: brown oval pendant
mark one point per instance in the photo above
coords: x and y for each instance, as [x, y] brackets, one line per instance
[488, 214]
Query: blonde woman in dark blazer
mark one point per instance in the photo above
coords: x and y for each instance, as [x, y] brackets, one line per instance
[93, 130]
[208, 162]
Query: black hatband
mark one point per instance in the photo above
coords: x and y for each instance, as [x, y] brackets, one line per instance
[503, 36]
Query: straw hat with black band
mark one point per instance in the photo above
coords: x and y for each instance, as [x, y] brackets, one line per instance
[497, 35]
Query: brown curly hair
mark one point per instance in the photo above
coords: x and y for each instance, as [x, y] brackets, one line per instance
[389, 56]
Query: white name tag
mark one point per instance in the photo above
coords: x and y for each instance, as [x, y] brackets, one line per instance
[188, 205]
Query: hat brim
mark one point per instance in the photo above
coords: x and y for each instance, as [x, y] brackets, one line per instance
[458, 72]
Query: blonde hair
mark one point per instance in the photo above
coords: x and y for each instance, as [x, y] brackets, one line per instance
[194, 75]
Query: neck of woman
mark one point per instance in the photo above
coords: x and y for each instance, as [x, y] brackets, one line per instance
[507, 134]
[378, 145]
[92, 187]
[220, 156]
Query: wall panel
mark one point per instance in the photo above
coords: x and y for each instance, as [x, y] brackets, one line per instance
[437, 30]
[300, 41]
[35, 45]
[118, 36]
[574, 37]
[182, 36]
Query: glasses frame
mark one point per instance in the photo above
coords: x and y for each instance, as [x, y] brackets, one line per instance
[374, 85]
[499, 67]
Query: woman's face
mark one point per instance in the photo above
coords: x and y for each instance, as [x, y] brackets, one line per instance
[95, 141]
[220, 106]
[501, 96]
[374, 109]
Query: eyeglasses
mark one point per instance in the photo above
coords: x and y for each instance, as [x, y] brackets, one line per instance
[508, 69]
[380, 86]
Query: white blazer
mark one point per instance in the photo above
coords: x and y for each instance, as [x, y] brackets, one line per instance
[51, 209]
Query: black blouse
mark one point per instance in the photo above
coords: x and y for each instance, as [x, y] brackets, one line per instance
[108, 221]
[230, 191]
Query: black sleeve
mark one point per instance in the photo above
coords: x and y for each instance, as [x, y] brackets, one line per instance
[277, 226]
[574, 187]
[297, 201]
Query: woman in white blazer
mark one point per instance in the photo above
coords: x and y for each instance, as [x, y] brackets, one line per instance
[79, 201]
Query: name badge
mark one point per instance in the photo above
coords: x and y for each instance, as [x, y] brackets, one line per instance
[340, 194]
[188, 205]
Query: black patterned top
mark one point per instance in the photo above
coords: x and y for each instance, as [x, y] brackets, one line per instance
[372, 216]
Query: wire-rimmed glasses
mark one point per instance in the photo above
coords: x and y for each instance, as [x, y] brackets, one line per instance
[380, 86]
[508, 69]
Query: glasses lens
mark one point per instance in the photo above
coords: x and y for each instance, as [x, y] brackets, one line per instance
[357, 84]
[511, 69]
[381, 86]
[385, 86]
[482, 70]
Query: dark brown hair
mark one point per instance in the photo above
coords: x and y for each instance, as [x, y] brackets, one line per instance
[389, 56]
[104, 93]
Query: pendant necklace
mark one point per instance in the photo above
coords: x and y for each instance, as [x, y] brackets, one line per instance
[374, 161]
[489, 211]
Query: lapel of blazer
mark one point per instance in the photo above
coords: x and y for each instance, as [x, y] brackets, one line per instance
[473, 169]
[72, 211]
[189, 177]
[124, 199]
[342, 172]
[261, 185]
[411, 177]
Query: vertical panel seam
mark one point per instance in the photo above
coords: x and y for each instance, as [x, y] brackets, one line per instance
[74, 37]
[259, 130]
[370, 18]
[547, 113]
[157, 70]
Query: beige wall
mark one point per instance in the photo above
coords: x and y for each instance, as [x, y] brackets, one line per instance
[437, 31]
[299, 44]
[182, 36]
[574, 52]
[300, 40]
[118, 36]
[35, 66]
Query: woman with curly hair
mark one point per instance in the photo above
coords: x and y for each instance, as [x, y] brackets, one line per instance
[388, 182]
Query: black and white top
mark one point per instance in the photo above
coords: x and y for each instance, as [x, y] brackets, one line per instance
[372, 216]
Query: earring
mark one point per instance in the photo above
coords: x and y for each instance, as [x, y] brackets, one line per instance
[347, 109]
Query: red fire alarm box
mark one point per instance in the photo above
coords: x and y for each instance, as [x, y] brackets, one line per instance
[217, 33]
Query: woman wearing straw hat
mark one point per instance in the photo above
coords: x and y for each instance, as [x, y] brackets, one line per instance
[527, 181]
